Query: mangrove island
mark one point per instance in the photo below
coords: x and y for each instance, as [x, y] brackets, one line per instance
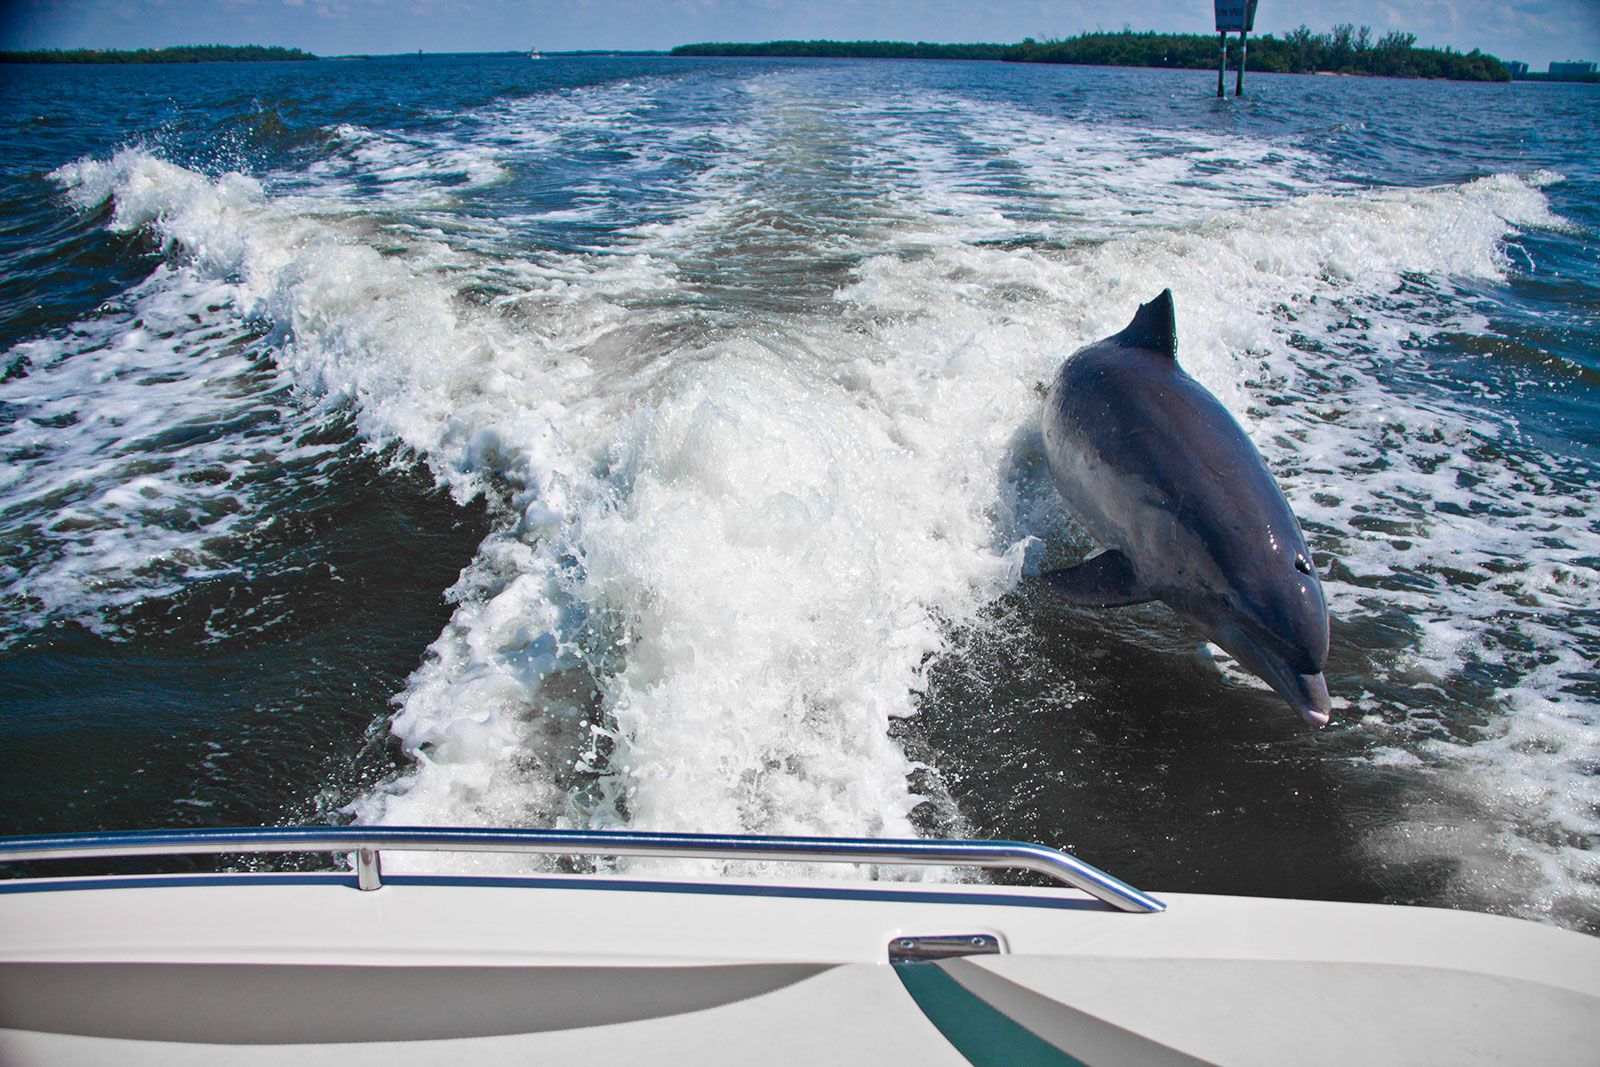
[1345, 50]
[195, 53]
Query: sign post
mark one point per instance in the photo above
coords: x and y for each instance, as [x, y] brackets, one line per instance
[1238, 85]
[1233, 15]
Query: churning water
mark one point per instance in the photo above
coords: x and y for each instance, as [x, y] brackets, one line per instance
[653, 443]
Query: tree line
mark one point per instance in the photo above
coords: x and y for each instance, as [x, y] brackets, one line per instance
[848, 50]
[1346, 50]
[199, 53]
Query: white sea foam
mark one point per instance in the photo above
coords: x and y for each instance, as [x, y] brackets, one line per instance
[145, 445]
[735, 528]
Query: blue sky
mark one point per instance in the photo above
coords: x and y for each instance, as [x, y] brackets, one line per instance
[1535, 31]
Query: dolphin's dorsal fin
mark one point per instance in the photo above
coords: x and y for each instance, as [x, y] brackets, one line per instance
[1153, 327]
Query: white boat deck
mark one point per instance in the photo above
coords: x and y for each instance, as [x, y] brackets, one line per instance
[306, 969]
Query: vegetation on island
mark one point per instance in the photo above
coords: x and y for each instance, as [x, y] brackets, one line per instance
[849, 50]
[198, 53]
[1346, 50]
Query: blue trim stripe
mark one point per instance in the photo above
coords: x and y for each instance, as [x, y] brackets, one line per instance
[735, 889]
[732, 889]
[986, 1036]
[58, 885]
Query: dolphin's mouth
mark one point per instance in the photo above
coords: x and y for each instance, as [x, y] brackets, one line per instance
[1305, 693]
[1310, 698]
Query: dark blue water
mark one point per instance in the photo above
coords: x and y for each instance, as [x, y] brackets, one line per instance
[652, 442]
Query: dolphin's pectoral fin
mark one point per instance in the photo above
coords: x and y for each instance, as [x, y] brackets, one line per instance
[1103, 581]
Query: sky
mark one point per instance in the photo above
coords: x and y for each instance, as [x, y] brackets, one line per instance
[1534, 31]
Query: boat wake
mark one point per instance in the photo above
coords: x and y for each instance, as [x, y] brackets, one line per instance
[752, 404]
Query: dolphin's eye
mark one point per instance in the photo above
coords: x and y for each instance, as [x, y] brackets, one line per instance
[1302, 565]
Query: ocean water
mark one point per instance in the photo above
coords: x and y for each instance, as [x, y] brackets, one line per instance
[654, 443]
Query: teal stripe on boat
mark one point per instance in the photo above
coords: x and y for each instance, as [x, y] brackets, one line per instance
[985, 1036]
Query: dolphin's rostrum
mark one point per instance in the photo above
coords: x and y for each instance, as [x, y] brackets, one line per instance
[1163, 478]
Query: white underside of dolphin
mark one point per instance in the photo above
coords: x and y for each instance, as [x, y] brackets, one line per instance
[1167, 482]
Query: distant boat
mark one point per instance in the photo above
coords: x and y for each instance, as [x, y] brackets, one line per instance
[534, 54]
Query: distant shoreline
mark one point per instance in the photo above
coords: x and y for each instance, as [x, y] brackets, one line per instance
[1344, 51]
[1545, 76]
[204, 53]
[1299, 53]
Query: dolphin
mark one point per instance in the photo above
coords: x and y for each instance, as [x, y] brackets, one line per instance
[1163, 478]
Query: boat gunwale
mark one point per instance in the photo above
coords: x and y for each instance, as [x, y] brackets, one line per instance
[366, 842]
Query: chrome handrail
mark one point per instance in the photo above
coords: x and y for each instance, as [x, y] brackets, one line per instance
[366, 841]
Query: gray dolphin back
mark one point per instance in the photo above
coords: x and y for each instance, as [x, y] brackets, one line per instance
[1164, 479]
